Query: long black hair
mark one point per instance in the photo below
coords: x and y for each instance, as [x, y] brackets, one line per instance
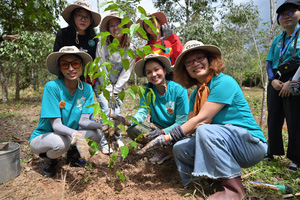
[89, 31]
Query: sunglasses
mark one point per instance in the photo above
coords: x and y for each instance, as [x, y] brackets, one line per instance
[191, 62]
[65, 64]
[287, 14]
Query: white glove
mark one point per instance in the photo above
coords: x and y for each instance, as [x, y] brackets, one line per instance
[167, 31]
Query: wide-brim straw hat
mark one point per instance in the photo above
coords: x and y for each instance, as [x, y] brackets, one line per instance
[81, 4]
[105, 20]
[159, 15]
[139, 65]
[52, 59]
[195, 45]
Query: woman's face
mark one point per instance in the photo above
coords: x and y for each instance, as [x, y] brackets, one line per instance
[197, 65]
[82, 19]
[114, 28]
[148, 29]
[289, 18]
[155, 73]
[71, 67]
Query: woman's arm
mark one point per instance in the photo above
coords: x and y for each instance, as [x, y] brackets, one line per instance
[86, 123]
[207, 112]
[59, 128]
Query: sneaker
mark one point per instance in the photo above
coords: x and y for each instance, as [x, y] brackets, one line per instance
[105, 149]
[120, 143]
[160, 157]
[293, 166]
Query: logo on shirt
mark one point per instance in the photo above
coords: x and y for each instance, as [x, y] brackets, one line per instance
[91, 43]
[80, 103]
[170, 107]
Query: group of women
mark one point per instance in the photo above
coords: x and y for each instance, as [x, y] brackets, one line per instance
[211, 135]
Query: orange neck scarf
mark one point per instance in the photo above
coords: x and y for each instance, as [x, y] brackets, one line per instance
[201, 95]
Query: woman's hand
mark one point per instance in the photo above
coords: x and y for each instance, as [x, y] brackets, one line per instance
[284, 92]
[158, 141]
[277, 84]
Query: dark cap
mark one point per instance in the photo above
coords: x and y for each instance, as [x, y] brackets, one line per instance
[287, 3]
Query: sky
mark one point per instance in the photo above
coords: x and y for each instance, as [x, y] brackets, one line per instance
[263, 6]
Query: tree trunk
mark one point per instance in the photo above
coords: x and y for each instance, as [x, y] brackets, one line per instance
[265, 83]
[17, 94]
[3, 83]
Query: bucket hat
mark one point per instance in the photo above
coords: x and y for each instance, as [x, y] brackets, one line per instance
[52, 58]
[81, 4]
[139, 65]
[293, 3]
[159, 15]
[105, 20]
[195, 45]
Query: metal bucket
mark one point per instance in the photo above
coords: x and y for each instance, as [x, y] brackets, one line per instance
[9, 162]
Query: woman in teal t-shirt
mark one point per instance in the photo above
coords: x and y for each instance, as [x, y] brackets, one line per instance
[226, 134]
[63, 110]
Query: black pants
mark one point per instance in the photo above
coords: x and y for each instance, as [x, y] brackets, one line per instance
[278, 109]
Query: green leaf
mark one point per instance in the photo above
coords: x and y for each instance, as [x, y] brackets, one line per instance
[112, 7]
[147, 49]
[133, 119]
[159, 46]
[121, 95]
[124, 21]
[153, 96]
[141, 91]
[96, 110]
[113, 159]
[102, 34]
[124, 151]
[142, 10]
[143, 33]
[106, 94]
[105, 2]
[122, 128]
[133, 144]
[131, 54]
[139, 136]
[140, 53]
[125, 63]
[124, 30]
[122, 52]
[121, 176]
[104, 117]
[121, 12]
[134, 89]
[131, 93]
[134, 28]
[149, 22]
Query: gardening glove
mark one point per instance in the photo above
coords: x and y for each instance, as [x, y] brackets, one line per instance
[81, 145]
[153, 134]
[167, 31]
[295, 88]
[117, 120]
[160, 140]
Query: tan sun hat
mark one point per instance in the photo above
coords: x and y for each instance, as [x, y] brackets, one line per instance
[139, 65]
[52, 59]
[195, 45]
[105, 20]
[159, 15]
[81, 4]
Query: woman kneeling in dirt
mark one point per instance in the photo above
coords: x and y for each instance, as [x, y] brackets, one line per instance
[170, 107]
[226, 134]
[63, 110]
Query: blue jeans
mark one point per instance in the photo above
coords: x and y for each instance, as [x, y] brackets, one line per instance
[217, 151]
[104, 105]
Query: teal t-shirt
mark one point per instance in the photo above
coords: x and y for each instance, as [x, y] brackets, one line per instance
[273, 54]
[54, 92]
[224, 89]
[170, 109]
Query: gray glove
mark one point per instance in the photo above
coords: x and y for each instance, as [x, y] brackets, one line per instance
[160, 140]
[295, 88]
[153, 134]
[116, 103]
[167, 31]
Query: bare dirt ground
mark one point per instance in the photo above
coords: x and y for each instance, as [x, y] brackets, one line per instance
[144, 180]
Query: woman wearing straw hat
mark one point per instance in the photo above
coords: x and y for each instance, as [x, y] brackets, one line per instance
[110, 23]
[226, 134]
[63, 110]
[170, 107]
[165, 36]
[80, 32]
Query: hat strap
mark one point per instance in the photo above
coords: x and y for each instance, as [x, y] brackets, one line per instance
[80, 84]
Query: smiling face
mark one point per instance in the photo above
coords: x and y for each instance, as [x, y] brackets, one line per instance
[82, 19]
[71, 74]
[155, 73]
[289, 18]
[114, 28]
[197, 65]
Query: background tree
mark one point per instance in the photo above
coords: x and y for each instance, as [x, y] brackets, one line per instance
[23, 17]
